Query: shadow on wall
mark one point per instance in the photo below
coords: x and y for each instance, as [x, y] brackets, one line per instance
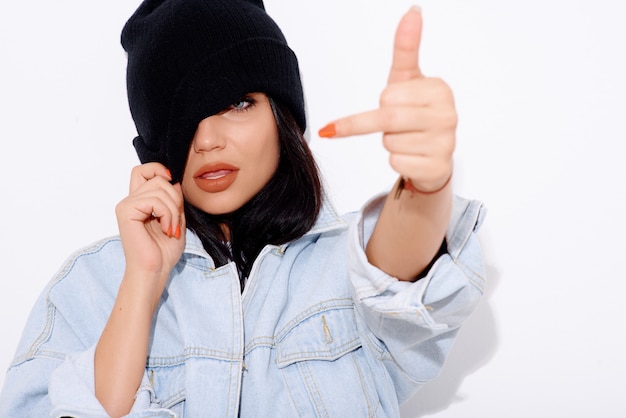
[475, 346]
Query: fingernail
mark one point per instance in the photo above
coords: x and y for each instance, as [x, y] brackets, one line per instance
[177, 233]
[328, 131]
[416, 8]
[169, 173]
[169, 231]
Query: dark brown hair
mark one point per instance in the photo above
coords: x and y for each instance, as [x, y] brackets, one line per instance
[284, 210]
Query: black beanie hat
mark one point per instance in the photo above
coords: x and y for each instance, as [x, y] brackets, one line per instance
[190, 59]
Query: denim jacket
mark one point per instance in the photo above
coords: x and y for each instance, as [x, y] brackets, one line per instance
[317, 331]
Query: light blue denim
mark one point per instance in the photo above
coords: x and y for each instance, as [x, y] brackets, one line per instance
[317, 332]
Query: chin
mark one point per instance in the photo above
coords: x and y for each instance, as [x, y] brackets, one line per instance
[220, 208]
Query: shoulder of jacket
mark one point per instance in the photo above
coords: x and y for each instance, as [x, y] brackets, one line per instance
[99, 257]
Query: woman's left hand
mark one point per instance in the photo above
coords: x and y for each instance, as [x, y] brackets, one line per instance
[416, 115]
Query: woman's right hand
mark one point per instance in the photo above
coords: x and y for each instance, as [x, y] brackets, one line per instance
[151, 222]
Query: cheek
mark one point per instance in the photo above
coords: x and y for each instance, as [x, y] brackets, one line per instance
[265, 166]
[267, 148]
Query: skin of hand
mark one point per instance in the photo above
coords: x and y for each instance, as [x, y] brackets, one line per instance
[148, 218]
[152, 229]
[417, 114]
[418, 120]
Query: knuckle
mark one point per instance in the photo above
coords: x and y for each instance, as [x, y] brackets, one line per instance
[453, 118]
[443, 147]
[439, 83]
[136, 170]
[395, 163]
[449, 119]
[387, 97]
[119, 208]
[388, 142]
[441, 169]
[445, 91]
[441, 88]
[448, 147]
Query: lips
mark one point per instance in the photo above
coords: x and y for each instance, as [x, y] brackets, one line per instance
[215, 178]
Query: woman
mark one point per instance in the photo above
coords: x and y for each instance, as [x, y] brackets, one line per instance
[234, 289]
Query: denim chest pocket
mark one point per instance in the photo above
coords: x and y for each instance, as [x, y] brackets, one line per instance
[324, 366]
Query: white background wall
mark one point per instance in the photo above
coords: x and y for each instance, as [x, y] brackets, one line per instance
[541, 95]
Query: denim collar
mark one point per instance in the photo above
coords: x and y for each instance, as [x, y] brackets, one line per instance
[327, 220]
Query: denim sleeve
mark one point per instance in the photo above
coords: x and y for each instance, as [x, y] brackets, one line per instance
[52, 374]
[411, 325]
[72, 391]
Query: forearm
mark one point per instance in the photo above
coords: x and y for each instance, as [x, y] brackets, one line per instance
[409, 232]
[120, 358]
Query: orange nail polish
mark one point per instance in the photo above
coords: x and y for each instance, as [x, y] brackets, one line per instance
[169, 173]
[169, 231]
[328, 131]
[177, 233]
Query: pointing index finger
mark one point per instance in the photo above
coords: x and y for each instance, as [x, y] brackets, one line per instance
[405, 64]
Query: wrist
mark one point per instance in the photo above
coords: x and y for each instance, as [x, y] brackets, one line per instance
[141, 290]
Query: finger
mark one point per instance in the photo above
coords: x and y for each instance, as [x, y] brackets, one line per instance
[405, 63]
[150, 209]
[174, 193]
[161, 201]
[170, 194]
[142, 173]
[172, 205]
[179, 222]
[182, 222]
[385, 119]
[426, 173]
[412, 166]
[419, 144]
[430, 91]
[157, 206]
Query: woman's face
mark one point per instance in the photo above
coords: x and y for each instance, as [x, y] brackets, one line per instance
[232, 156]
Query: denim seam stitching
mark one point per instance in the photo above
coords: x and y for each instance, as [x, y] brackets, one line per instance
[363, 386]
[69, 265]
[173, 399]
[324, 306]
[320, 355]
[474, 278]
[192, 352]
[314, 392]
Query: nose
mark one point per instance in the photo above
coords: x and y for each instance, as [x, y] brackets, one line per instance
[208, 136]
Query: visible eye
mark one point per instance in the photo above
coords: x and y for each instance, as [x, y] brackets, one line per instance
[244, 104]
